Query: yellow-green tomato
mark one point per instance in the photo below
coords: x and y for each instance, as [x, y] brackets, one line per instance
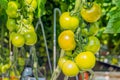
[11, 24]
[30, 38]
[61, 61]
[85, 60]
[68, 22]
[12, 9]
[5, 78]
[91, 14]
[94, 28]
[18, 40]
[93, 44]
[66, 40]
[70, 68]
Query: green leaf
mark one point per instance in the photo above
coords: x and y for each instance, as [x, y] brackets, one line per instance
[41, 6]
[117, 2]
[3, 4]
[113, 25]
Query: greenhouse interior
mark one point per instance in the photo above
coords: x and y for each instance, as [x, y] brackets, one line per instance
[59, 39]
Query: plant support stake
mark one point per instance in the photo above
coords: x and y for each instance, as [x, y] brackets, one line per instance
[54, 37]
[46, 47]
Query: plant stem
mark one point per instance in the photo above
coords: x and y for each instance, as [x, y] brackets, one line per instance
[66, 78]
[77, 6]
[57, 71]
[35, 61]
[91, 74]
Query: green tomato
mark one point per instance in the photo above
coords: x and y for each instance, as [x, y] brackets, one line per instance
[93, 30]
[30, 38]
[11, 24]
[93, 44]
[17, 40]
[12, 9]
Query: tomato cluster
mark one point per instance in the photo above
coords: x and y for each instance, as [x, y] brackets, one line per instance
[19, 22]
[78, 40]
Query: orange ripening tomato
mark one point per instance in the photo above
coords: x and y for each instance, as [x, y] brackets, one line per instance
[66, 40]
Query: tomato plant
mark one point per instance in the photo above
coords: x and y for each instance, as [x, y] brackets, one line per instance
[85, 60]
[91, 14]
[66, 40]
[68, 22]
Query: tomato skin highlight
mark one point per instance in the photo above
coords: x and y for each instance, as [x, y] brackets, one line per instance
[85, 60]
[66, 40]
[70, 69]
[92, 14]
[68, 22]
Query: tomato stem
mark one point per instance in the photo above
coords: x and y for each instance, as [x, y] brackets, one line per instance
[57, 71]
[78, 4]
[91, 74]
[35, 61]
[66, 78]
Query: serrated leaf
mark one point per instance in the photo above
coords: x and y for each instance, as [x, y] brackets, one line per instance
[113, 25]
[3, 4]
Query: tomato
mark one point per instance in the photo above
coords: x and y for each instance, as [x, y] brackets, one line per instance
[26, 29]
[61, 61]
[32, 6]
[14, 78]
[5, 67]
[84, 31]
[14, 75]
[85, 60]
[12, 9]
[30, 17]
[30, 38]
[66, 40]
[70, 69]
[68, 22]
[27, 2]
[30, 28]
[11, 25]
[93, 44]
[91, 14]
[21, 61]
[94, 28]
[5, 78]
[18, 40]
[86, 76]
